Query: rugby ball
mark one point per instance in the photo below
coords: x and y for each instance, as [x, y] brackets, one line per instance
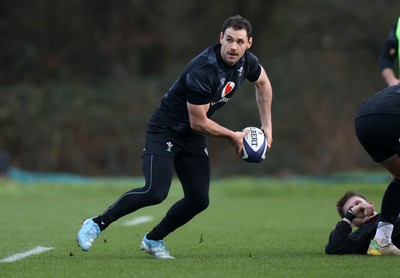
[254, 145]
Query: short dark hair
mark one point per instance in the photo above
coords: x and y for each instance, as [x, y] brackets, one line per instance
[343, 200]
[238, 22]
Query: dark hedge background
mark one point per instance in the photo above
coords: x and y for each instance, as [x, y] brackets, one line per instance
[79, 79]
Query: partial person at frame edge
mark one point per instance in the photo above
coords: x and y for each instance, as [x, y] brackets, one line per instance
[389, 54]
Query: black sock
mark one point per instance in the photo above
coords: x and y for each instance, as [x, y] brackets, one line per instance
[153, 236]
[391, 202]
[101, 222]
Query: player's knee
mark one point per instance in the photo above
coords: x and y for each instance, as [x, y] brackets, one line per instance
[205, 204]
[202, 204]
[153, 196]
[158, 197]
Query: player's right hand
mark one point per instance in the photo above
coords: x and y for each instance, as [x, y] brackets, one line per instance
[362, 210]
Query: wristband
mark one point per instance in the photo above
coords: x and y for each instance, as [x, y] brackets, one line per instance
[350, 215]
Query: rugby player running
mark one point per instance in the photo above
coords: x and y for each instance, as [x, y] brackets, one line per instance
[175, 136]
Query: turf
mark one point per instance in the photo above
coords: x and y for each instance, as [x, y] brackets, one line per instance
[253, 228]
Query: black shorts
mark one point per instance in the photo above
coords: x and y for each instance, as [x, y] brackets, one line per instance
[170, 143]
[379, 134]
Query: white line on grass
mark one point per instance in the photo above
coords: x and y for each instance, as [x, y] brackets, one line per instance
[138, 220]
[40, 249]
[20, 256]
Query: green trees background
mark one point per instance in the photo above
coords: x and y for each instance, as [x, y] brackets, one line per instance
[79, 79]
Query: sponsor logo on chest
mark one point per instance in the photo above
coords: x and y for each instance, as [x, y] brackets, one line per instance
[225, 92]
[227, 89]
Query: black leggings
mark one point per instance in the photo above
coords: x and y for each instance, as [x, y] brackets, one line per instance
[194, 175]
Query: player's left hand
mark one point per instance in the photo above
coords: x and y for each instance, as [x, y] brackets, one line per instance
[268, 134]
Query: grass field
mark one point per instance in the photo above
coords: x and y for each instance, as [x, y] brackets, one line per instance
[253, 228]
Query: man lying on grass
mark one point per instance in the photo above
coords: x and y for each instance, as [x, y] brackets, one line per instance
[356, 211]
